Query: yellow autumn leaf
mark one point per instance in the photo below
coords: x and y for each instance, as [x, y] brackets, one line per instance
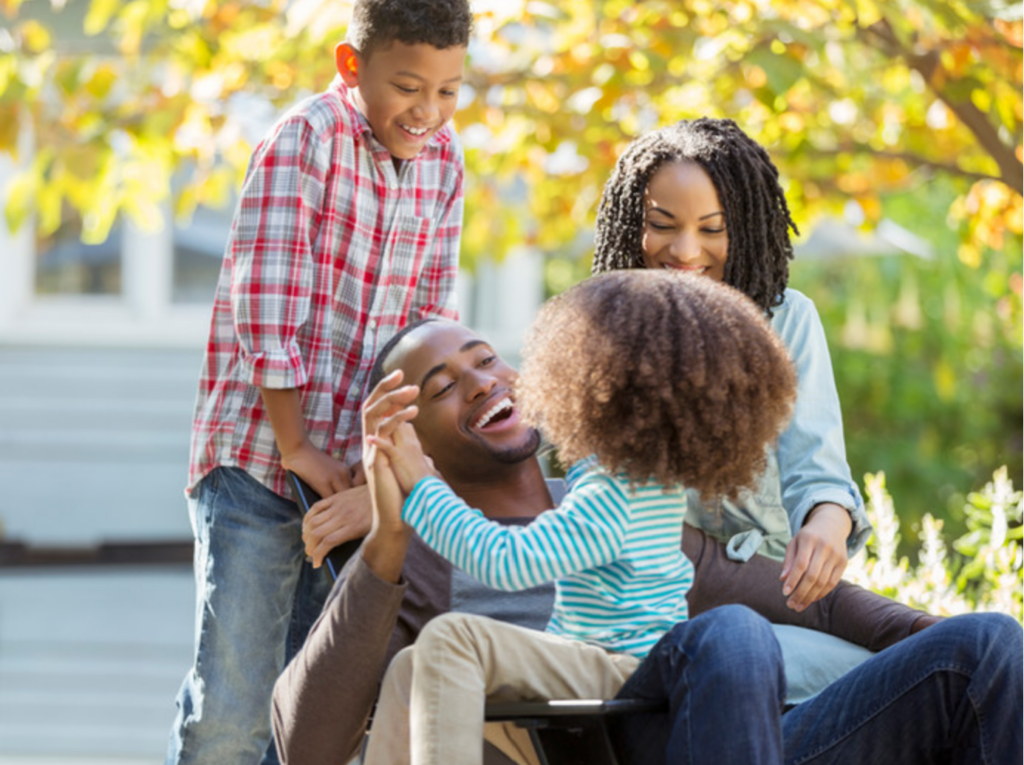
[944, 379]
[101, 81]
[867, 13]
[99, 15]
[35, 36]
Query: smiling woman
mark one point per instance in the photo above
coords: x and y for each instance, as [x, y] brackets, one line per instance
[702, 196]
[684, 224]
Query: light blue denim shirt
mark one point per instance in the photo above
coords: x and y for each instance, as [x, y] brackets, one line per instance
[807, 466]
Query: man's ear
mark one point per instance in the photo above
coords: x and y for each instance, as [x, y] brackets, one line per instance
[347, 61]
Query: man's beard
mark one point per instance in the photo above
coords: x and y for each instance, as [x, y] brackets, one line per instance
[515, 454]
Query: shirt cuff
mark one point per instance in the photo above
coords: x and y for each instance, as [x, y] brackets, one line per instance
[861, 526]
[277, 369]
[415, 504]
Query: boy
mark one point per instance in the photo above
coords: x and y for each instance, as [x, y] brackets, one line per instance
[348, 225]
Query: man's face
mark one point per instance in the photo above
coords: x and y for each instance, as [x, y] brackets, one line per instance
[467, 420]
[406, 92]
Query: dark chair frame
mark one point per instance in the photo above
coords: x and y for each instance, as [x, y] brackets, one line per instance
[577, 732]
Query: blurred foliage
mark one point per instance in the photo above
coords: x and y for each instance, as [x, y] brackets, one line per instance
[927, 356]
[910, 108]
[981, 573]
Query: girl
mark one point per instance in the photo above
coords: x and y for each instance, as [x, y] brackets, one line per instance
[701, 196]
[648, 380]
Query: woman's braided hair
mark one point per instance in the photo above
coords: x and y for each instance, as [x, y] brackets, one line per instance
[747, 182]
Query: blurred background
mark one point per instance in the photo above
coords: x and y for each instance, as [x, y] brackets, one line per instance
[125, 128]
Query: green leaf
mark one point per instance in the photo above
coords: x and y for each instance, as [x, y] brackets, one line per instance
[782, 70]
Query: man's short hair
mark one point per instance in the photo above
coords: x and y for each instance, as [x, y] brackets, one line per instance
[378, 23]
[377, 373]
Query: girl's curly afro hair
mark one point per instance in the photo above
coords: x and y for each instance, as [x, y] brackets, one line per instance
[662, 376]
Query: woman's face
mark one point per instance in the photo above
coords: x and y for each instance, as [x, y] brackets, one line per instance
[684, 223]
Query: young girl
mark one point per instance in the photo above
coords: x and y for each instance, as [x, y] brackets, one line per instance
[700, 196]
[647, 381]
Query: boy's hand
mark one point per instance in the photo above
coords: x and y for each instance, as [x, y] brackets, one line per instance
[816, 557]
[336, 519]
[324, 474]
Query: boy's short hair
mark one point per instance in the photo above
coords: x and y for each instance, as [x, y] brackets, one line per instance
[378, 23]
[662, 376]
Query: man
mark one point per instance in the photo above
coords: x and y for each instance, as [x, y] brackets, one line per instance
[467, 422]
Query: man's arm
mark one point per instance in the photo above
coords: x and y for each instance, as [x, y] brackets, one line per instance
[849, 612]
[323, 699]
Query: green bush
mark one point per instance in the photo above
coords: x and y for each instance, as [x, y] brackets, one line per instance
[982, 571]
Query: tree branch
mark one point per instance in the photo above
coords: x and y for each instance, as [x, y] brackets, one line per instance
[927, 65]
[906, 156]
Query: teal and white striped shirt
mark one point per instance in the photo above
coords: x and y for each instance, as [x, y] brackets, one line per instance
[613, 552]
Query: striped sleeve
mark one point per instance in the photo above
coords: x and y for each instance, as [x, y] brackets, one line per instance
[585, 531]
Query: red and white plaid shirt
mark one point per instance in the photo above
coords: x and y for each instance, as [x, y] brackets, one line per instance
[331, 252]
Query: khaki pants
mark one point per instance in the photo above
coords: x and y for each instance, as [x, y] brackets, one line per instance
[431, 707]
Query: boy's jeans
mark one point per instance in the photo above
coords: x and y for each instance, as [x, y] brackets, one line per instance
[950, 694]
[256, 599]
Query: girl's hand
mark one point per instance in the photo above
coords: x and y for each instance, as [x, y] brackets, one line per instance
[387, 405]
[336, 519]
[384, 401]
[386, 410]
[386, 496]
[816, 557]
[397, 439]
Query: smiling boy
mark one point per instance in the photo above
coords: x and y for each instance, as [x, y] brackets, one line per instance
[348, 226]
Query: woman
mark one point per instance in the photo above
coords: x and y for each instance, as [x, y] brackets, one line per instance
[701, 196]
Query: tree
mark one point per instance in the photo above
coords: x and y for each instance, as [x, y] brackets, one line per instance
[857, 100]
[853, 97]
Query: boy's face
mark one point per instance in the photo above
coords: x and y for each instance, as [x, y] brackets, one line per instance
[406, 92]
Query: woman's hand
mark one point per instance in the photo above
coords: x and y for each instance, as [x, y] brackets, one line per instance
[816, 557]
